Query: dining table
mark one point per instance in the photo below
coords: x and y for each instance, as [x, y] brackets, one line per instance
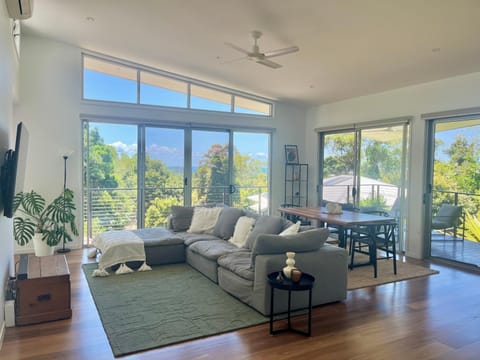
[344, 221]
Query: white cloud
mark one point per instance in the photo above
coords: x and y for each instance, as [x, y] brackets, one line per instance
[155, 149]
[122, 148]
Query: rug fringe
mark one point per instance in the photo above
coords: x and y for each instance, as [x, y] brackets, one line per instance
[100, 273]
[123, 269]
[144, 267]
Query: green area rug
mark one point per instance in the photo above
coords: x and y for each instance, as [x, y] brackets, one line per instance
[170, 304]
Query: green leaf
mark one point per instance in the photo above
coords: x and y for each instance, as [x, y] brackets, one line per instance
[33, 203]
[23, 230]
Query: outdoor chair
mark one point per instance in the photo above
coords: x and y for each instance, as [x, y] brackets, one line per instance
[448, 217]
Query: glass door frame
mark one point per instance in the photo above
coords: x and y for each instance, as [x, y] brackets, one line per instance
[356, 129]
[431, 123]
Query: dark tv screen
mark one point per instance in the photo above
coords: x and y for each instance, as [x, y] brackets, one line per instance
[13, 170]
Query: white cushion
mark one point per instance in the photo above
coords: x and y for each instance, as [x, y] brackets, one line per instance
[291, 230]
[243, 227]
[204, 220]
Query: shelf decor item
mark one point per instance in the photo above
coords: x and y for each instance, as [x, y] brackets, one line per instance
[291, 154]
[287, 270]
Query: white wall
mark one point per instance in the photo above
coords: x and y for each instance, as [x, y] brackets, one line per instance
[8, 81]
[51, 107]
[450, 94]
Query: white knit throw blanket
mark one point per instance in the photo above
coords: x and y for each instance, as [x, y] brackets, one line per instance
[118, 247]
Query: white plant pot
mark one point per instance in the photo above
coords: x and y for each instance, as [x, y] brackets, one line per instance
[41, 247]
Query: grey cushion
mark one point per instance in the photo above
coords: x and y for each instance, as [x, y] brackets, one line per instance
[190, 238]
[213, 249]
[310, 240]
[265, 225]
[238, 263]
[181, 217]
[158, 236]
[226, 222]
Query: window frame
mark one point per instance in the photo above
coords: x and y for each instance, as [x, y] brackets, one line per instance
[233, 94]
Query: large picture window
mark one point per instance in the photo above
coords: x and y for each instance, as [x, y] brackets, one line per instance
[134, 173]
[106, 80]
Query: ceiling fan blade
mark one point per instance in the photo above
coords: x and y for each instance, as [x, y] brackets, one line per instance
[279, 52]
[237, 48]
[233, 60]
[269, 63]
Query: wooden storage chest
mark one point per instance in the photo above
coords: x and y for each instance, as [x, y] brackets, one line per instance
[43, 289]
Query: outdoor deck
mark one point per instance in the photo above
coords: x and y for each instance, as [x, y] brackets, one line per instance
[464, 251]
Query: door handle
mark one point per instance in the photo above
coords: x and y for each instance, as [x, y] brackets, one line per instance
[232, 189]
[354, 192]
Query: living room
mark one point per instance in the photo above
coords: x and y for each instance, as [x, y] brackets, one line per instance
[43, 88]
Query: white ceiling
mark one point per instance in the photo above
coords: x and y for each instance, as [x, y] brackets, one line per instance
[348, 48]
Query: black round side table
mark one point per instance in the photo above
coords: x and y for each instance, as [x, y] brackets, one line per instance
[278, 281]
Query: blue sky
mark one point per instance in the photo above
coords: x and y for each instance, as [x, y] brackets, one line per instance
[164, 144]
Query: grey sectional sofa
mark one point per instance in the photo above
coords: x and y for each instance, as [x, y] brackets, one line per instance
[242, 272]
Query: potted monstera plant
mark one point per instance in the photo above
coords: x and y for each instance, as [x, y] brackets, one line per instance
[46, 225]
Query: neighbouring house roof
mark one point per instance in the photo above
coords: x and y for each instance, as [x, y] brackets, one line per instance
[337, 189]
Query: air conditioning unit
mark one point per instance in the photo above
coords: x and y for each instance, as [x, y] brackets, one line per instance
[20, 9]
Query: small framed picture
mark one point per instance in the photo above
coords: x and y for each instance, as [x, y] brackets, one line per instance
[291, 154]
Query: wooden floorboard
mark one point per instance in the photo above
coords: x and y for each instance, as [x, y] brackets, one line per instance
[435, 317]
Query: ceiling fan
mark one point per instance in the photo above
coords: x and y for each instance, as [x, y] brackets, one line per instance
[262, 57]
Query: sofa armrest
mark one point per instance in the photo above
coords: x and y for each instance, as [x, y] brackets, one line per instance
[306, 241]
[329, 266]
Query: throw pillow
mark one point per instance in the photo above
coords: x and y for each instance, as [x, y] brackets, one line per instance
[264, 225]
[181, 217]
[204, 220]
[243, 227]
[295, 228]
[226, 222]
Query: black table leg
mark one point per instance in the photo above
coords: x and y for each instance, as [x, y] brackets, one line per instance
[271, 310]
[309, 332]
[289, 308]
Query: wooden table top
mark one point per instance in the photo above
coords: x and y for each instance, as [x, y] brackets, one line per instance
[346, 218]
[47, 266]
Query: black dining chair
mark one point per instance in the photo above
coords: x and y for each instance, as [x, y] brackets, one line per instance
[369, 239]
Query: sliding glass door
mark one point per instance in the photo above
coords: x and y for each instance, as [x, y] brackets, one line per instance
[365, 168]
[162, 177]
[453, 206]
[133, 174]
[110, 178]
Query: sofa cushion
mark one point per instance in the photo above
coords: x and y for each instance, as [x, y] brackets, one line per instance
[239, 263]
[189, 238]
[265, 225]
[243, 228]
[292, 229]
[181, 217]
[204, 220]
[213, 249]
[158, 236]
[225, 225]
[310, 240]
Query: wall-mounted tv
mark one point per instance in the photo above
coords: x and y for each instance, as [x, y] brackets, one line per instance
[13, 170]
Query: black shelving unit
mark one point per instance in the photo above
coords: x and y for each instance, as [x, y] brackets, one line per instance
[296, 185]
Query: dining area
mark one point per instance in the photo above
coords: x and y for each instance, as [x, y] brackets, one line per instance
[356, 231]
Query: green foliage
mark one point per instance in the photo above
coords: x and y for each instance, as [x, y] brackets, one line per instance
[158, 211]
[459, 173]
[472, 226]
[380, 160]
[32, 215]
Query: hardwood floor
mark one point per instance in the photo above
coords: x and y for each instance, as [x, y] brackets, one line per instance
[435, 317]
